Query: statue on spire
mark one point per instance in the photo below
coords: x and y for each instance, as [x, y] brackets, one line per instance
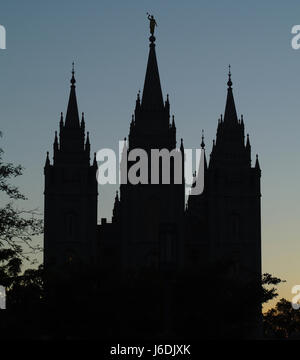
[152, 23]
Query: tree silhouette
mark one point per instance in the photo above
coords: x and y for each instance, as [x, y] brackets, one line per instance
[16, 226]
[16, 230]
[282, 321]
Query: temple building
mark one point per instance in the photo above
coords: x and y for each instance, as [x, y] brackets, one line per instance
[153, 225]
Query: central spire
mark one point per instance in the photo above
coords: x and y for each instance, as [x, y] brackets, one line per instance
[230, 111]
[72, 117]
[152, 95]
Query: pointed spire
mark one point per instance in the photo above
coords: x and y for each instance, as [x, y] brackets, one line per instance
[202, 140]
[47, 163]
[173, 121]
[82, 124]
[248, 142]
[137, 106]
[116, 208]
[138, 101]
[181, 145]
[73, 81]
[167, 102]
[203, 148]
[229, 82]
[152, 94]
[72, 117]
[257, 163]
[61, 121]
[230, 114]
[87, 143]
[55, 141]
[95, 160]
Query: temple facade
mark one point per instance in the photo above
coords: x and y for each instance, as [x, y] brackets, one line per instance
[154, 226]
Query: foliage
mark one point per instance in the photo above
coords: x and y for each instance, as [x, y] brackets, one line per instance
[17, 227]
[282, 321]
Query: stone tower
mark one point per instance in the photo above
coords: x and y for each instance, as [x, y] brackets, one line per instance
[70, 192]
[152, 213]
[224, 222]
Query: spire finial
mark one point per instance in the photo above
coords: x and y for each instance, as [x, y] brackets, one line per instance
[47, 163]
[248, 142]
[87, 143]
[73, 81]
[202, 142]
[152, 24]
[152, 98]
[257, 166]
[82, 124]
[173, 121]
[181, 144]
[229, 82]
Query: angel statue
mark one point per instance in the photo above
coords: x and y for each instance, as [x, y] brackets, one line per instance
[152, 23]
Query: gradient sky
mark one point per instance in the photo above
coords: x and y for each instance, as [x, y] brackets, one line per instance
[196, 40]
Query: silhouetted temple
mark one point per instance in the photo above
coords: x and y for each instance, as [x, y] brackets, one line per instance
[71, 191]
[151, 226]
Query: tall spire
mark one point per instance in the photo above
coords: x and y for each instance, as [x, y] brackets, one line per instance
[72, 117]
[47, 163]
[230, 111]
[82, 124]
[257, 163]
[152, 94]
[202, 140]
[248, 142]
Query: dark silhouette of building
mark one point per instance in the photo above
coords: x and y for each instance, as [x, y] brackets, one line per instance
[151, 227]
[71, 191]
[228, 210]
[152, 230]
[224, 222]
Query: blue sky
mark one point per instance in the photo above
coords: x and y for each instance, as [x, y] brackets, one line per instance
[196, 40]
